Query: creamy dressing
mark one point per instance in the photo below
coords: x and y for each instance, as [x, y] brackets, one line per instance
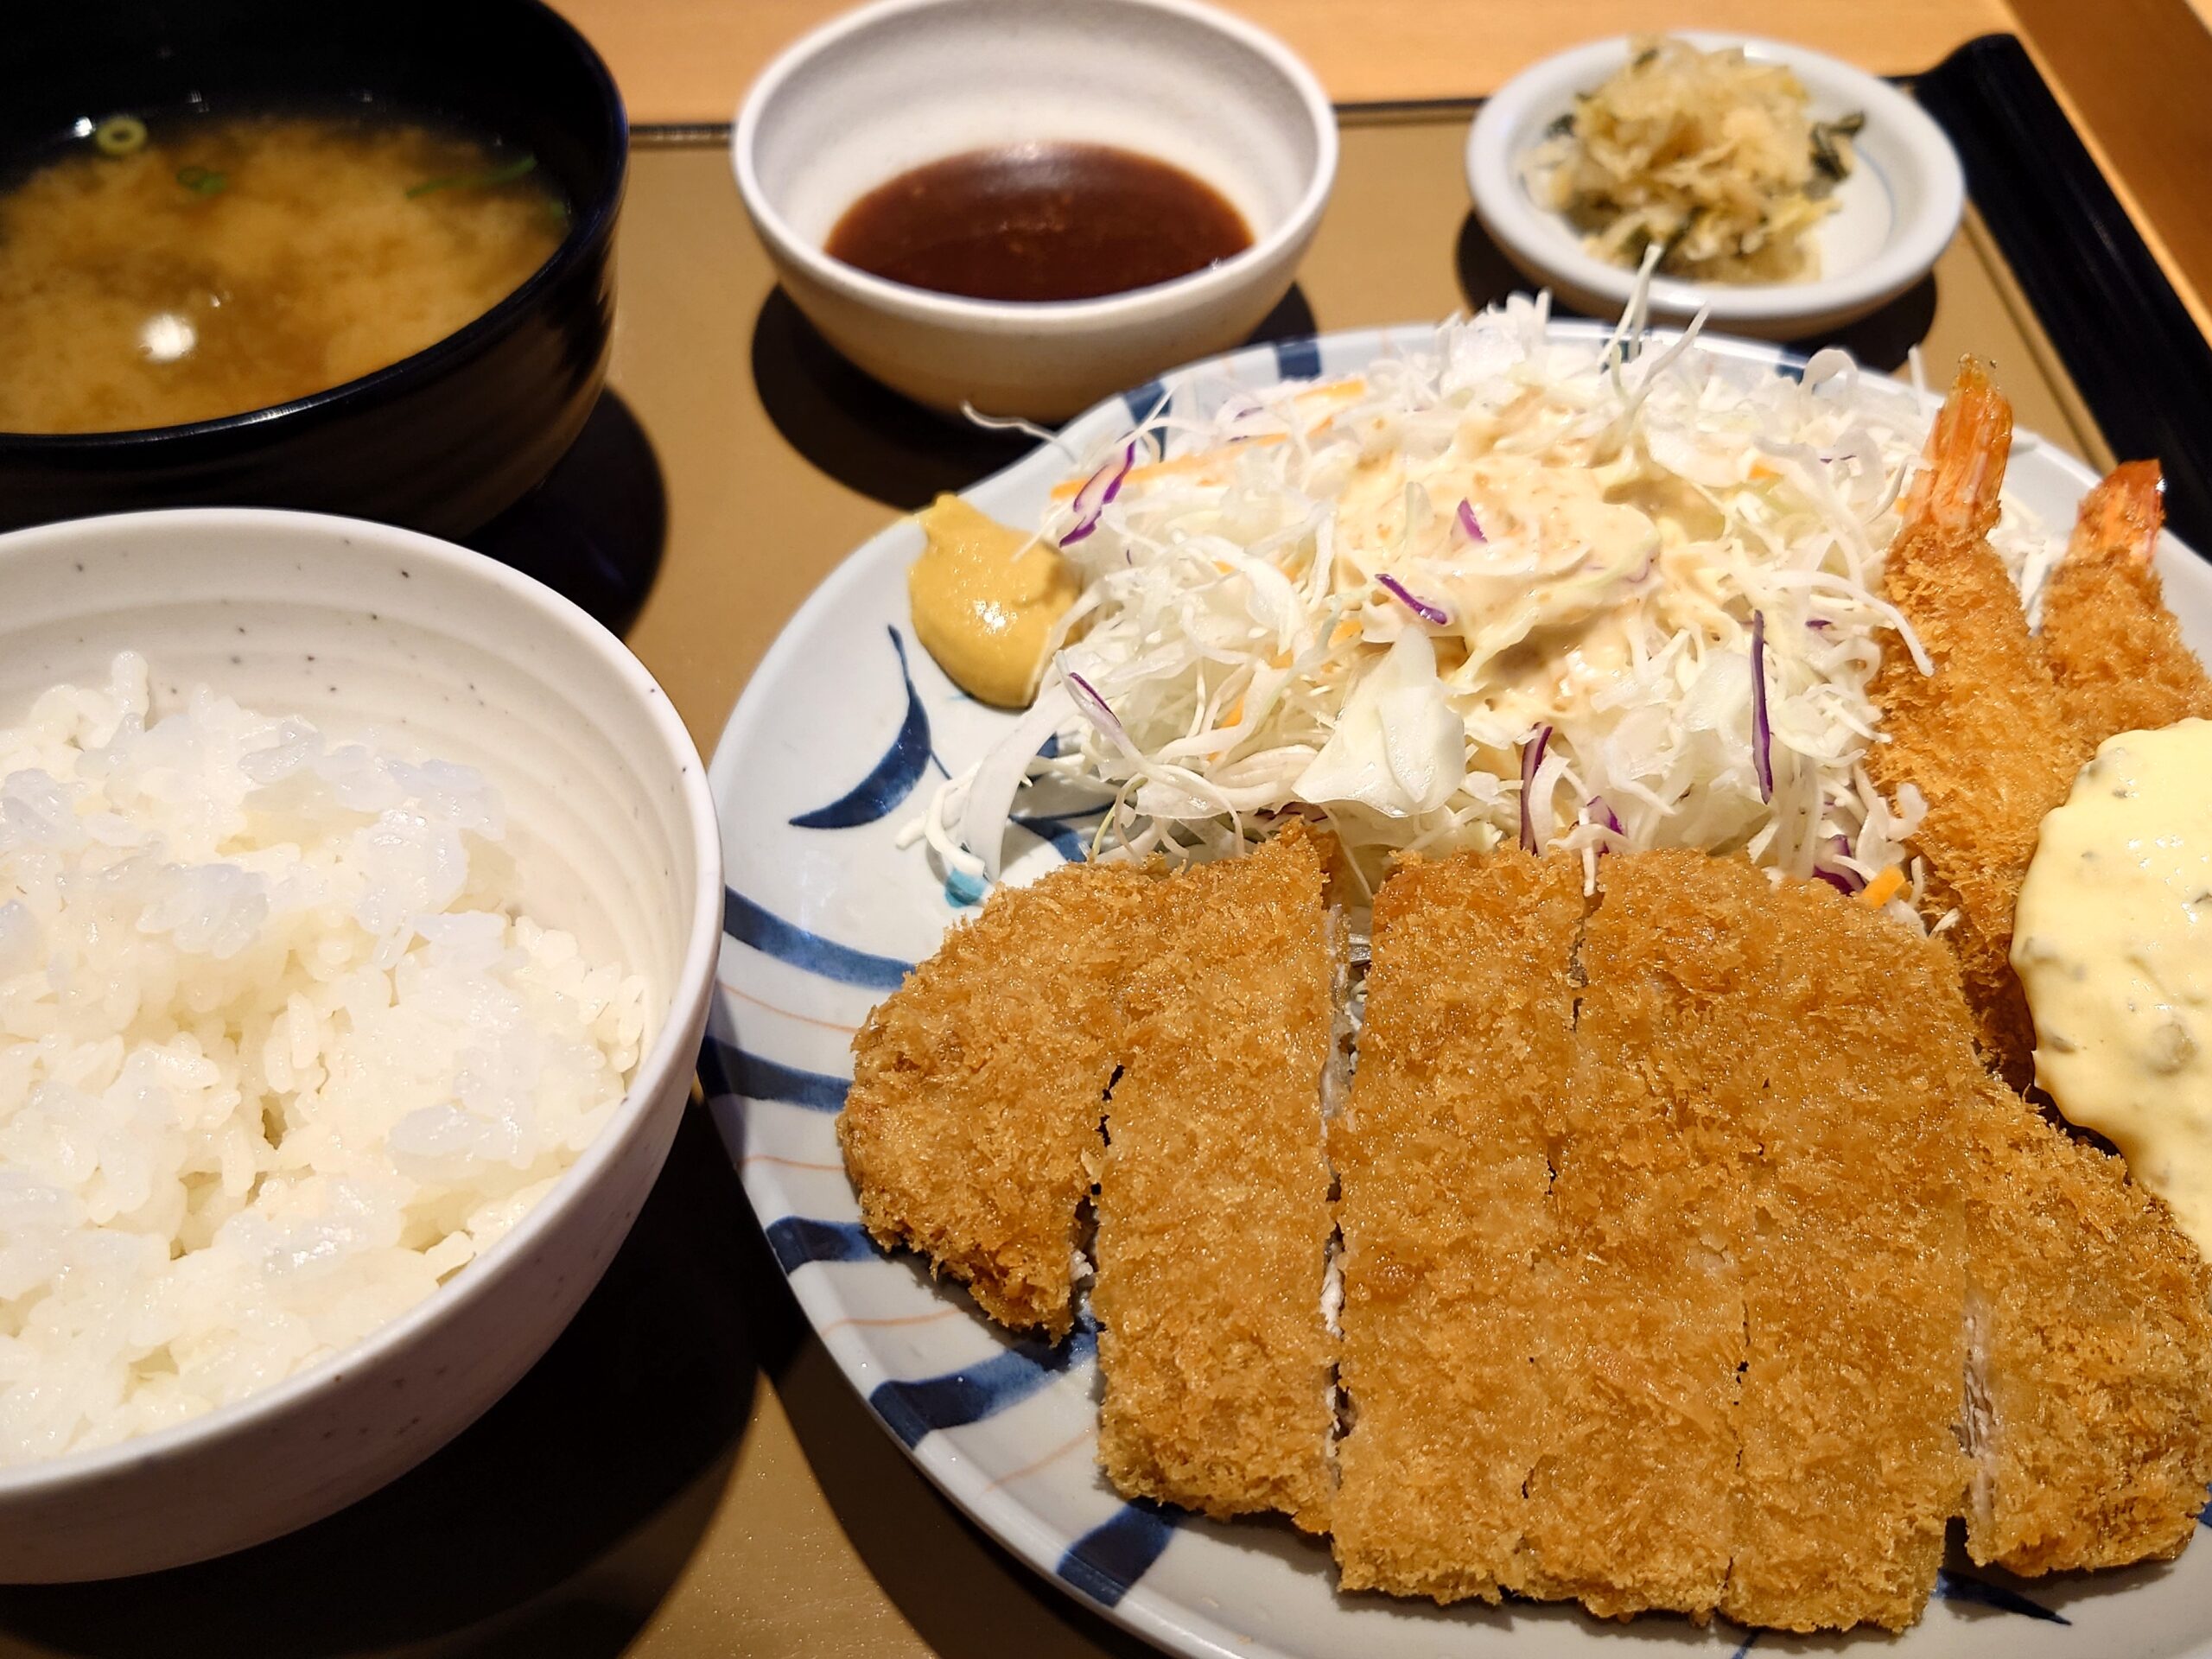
[1545, 609]
[2113, 942]
[986, 601]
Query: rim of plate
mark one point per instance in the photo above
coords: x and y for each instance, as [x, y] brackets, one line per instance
[1153, 1614]
[1496, 142]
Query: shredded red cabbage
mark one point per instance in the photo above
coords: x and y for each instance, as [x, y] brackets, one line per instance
[1095, 708]
[1816, 622]
[1420, 608]
[1532, 756]
[1843, 880]
[1092, 500]
[1469, 522]
[1761, 733]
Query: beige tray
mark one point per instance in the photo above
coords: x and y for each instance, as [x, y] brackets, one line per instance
[687, 1474]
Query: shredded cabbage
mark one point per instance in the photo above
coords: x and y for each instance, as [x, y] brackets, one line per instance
[1379, 601]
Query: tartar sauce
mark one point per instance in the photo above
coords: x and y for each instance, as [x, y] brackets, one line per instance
[985, 599]
[2113, 942]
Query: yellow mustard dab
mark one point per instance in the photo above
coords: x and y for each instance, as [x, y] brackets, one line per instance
[2113, 943]
[985, 599]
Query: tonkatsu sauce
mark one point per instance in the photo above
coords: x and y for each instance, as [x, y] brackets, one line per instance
[1040, 222]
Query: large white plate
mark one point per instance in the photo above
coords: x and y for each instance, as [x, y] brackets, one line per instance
[843, 729]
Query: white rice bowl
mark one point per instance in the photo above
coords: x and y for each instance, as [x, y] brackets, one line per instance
[277, 1057]
[412, 649]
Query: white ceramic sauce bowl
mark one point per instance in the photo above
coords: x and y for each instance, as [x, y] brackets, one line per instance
[899, 83]
[1895, 213]
[614, 836]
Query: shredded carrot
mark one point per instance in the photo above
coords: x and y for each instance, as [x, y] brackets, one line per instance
[1345, 630]
[1233, 713]
[1280, 660]
[1883, 888]
[1333, 390]
[1066, 488]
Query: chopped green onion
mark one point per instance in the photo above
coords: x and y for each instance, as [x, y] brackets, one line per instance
[201, 181]
[498, 175]
[120, 134]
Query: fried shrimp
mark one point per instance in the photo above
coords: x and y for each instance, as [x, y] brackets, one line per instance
[2115, 649]
[1983, 736]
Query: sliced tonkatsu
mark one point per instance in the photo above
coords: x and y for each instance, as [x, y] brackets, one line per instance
[971, 1131]
[1689, 1256]
[1644, 1341]
[1214, 1215]
[1443, 1155]
[1806, 1017]
[2091, 1381]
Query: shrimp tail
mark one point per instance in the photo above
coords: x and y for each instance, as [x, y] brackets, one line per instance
[2115, 651]
[1962, 470]
[2121, 516]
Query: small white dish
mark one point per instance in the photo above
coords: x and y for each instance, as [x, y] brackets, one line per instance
[1896, 211]
[613, 839]
[904, 82]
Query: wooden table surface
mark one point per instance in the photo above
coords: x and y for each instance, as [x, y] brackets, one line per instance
[2132, 72]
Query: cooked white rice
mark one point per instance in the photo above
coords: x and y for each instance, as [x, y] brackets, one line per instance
[277, 1055]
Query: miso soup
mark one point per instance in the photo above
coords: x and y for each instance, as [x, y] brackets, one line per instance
[160, 272]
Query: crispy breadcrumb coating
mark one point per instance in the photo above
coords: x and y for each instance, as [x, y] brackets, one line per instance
[1643, 1338]
[1983, 736]
[1686, 1241]
[2094, 1369]
[2115, 649]
[1443, 1156]
[1826, 1045]
[1214, 1213]
[971, 1129]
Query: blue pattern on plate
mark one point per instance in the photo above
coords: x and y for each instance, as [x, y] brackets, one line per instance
[1112, 1556]
[1143, 401]
[1299, 359]
[1750, 1642]
[914, 1408]
[1074, 845]
[771, 935]
[891, 779]
[725, 1068]
[797, 1240]
[1957, 1586]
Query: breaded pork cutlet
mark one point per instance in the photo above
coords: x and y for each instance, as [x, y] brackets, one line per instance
[1444, 1159]
[1214, 1214]
[2115, 649]
[971, 1128]
[1630, 1507]
[2091, 1379]
[1812, 1018]
[1982, 737]
[1686, 1241]
[1716, 1364]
